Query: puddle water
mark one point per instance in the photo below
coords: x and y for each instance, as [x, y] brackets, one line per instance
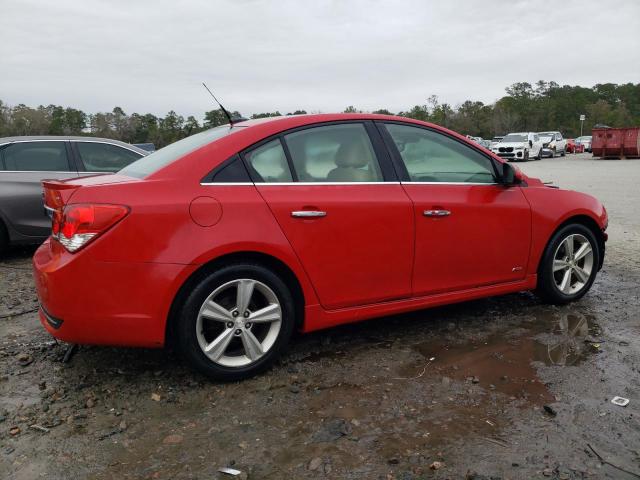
[504, 363]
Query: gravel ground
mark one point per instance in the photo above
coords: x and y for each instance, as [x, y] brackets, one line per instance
[454, 392]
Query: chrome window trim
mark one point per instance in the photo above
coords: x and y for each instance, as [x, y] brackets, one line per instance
[110, 143]
[310, 184]
[32, 141]
[38, 171]
[449, 183]
[228, 184]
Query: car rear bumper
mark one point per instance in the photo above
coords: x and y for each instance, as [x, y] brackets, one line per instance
[104, 303]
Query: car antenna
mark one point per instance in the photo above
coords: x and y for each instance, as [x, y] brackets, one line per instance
[221, 107]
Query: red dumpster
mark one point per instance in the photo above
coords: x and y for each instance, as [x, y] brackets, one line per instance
[631, 142]
[616, 142]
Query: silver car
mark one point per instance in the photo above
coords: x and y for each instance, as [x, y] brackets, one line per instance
[26, 161]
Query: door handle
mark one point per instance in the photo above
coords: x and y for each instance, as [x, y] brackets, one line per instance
[308, 214]
[436, 213]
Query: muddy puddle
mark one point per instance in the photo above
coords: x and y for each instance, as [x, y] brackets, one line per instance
[506, 362]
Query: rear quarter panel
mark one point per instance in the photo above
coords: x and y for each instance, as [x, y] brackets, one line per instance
[160, 227]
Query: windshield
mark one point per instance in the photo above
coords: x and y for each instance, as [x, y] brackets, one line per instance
[545, 137]
[169, 154]
[515, 138]
[583, 139]
[497, 139]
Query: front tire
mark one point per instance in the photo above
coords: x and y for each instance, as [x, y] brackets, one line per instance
[569, 265]
[236, 322]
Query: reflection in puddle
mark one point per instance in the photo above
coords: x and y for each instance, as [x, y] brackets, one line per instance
[504, 363]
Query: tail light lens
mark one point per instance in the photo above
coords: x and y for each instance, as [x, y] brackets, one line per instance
[78, 224]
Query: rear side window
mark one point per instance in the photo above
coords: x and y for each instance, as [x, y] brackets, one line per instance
[268, 163]
[434, 157]
[36, 157]
[104, 157]
[334, 153]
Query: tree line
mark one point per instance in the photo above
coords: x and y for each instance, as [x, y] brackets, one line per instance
[525, 107]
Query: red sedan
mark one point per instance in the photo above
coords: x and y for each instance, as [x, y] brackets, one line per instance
[573, 147]
[225, 242]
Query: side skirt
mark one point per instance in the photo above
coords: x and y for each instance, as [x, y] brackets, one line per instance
[317, 318]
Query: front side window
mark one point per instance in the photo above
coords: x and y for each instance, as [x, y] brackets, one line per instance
[104, 157]
[433, 157]
[334, 153]
[36, 157]
[268, 163]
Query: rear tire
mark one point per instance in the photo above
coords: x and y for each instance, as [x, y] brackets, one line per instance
[569, 265]
[236, 322]
[4, 238]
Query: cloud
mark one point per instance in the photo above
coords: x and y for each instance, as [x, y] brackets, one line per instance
[151, 56]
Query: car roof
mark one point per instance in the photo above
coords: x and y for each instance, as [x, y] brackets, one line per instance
[40, 138]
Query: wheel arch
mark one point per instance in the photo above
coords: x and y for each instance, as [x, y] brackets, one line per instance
[255, 257]
[587, 221]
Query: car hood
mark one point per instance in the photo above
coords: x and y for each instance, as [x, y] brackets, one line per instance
[510, 144]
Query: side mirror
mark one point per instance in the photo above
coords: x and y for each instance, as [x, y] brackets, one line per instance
[531, 143]
[511, 175]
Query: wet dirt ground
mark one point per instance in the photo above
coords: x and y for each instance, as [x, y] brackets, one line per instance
[453, 392]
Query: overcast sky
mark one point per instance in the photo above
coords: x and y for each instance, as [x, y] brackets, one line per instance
[152, 55]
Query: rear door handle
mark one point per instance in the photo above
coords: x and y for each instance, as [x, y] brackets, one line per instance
[308, 214]
[436, 213]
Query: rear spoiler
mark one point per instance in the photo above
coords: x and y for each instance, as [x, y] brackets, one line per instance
[57, 193]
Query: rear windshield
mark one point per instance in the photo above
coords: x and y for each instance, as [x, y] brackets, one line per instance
[169, 154]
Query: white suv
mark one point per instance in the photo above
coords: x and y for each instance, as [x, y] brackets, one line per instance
[553, 144]
[519, 146]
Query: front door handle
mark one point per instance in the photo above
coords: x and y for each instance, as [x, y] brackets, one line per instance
[436, 213]
[308, 214]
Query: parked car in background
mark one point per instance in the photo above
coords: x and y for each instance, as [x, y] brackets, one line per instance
[585, 141]
[224, 243]
[149, 147]
[26, 161]
[553, 144]
[480, 141]
[519, 146]
[573, 147]
[494, 141]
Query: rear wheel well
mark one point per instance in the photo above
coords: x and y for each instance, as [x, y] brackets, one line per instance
[272, 263]
[588, 222]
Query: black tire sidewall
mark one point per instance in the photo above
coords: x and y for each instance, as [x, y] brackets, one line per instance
[546, 282]
[4, 237]
[186, 323]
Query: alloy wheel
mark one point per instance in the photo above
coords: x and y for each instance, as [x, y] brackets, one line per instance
[239, 322]
[573, 264]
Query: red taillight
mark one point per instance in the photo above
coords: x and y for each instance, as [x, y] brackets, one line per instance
[78, 224]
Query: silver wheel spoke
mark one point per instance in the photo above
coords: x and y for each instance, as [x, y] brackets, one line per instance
[568, 245]
[584, 250]
[252, 346]
[215, 311]
[573, 264]
[271, 313]
[565, 285]
[243, 298]
[559, 265]
[217, 348]
[226, 315]
[581, 274]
